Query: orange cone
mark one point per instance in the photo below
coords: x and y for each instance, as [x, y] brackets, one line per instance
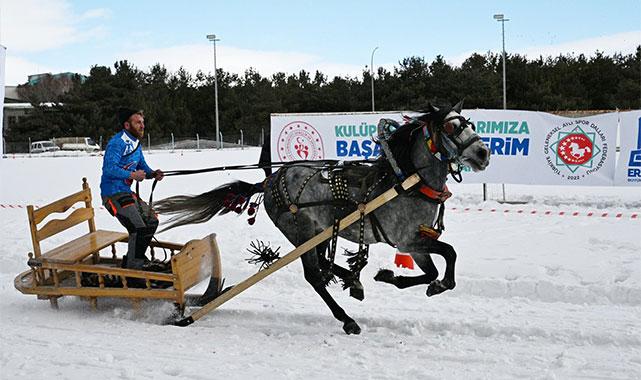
[403, 260]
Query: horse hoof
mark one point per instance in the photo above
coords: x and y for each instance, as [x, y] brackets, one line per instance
[384, 275]
[357, 292]
[438, 287]
[351, 327]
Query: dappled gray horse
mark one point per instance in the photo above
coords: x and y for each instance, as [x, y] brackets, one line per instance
[304, 198]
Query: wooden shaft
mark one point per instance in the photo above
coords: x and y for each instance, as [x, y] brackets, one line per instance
[296, 253]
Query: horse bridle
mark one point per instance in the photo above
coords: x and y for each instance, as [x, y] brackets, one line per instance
[445, 133]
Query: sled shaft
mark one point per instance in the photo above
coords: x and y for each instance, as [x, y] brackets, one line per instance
[297, 252]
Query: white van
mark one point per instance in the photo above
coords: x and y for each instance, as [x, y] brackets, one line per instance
[43, 146]
[86, 144]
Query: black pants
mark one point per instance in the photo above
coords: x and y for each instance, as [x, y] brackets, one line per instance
[139, 220]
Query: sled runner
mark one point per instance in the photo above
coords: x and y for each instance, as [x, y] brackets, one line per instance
[76, 268]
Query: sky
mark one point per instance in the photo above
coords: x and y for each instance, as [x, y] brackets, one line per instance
[334, 37]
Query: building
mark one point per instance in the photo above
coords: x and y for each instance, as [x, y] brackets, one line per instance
[16, 107]
[12, 113]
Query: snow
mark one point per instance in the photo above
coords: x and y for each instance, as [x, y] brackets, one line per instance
[538, 296]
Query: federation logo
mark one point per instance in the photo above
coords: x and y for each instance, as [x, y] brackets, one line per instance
[299, 140]
[575, 149]
[578, 152]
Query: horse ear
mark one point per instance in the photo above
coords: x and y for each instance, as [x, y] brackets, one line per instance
[459, 106]
[431, 108]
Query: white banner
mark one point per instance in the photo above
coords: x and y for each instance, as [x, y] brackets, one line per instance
[3, 51]
[527, 147]
[538, 148]
[628, 171]
[346, 136]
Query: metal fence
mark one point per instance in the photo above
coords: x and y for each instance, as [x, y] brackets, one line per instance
[171, 142]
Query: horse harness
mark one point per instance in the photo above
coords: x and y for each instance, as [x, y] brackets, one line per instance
[339, 178]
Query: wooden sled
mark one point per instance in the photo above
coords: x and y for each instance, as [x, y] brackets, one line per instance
[297, 252]
[65, 270]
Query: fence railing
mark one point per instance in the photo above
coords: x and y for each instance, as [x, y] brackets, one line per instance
[151, 142]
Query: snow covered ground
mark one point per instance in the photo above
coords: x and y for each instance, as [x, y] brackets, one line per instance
[538, 296]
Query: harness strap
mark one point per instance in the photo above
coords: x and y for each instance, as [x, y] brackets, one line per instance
[383, 134]
[151, 194]
[331, 254]
[440, 196]
[334, 202]
[435, 231]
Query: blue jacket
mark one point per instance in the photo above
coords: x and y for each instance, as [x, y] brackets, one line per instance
[123, 155]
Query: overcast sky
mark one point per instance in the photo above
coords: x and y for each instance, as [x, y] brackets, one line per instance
[335, 37]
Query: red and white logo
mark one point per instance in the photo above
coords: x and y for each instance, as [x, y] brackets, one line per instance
[575, 149]
[298, 140]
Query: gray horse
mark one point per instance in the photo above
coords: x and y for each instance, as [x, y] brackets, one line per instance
[304, 198]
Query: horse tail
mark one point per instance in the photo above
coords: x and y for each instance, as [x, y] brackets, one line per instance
[190, 209]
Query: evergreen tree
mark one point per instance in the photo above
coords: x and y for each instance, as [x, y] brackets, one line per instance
[184, 105]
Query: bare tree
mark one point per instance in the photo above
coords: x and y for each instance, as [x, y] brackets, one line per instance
[47, 88]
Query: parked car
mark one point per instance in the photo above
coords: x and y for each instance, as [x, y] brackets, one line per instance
[86, 144]
[43, 146]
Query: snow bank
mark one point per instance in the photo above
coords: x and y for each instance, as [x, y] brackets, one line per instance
[537, 296]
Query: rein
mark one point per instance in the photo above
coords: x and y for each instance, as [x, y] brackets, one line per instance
[221, 168]
[306, 164]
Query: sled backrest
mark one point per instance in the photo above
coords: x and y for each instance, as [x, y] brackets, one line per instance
[82, 214]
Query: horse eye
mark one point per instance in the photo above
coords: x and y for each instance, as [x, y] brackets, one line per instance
[449, 128]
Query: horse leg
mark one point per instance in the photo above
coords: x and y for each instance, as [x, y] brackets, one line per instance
[447, 283]
[355, 286]
[314, 276]
[423, 261]
[422, 258]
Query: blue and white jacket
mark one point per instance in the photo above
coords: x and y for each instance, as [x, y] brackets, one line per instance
[123, 155]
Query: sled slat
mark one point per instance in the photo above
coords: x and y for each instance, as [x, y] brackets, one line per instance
[85, 268]
[57, 225]
[296, 253]
[61, 205]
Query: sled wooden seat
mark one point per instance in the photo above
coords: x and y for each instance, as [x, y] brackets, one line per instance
[63, 270]
[78, 249]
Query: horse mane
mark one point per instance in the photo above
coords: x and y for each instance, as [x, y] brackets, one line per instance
[400, 141]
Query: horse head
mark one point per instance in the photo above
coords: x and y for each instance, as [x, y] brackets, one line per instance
[454, 137]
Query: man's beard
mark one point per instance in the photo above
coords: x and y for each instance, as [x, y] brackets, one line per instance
[134, 132]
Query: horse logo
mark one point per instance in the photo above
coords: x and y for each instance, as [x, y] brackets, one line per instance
[575, 149]
[299, 140]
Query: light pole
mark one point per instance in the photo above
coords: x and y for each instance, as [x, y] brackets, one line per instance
[212, 38]
[502, 20]
[372, 72]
